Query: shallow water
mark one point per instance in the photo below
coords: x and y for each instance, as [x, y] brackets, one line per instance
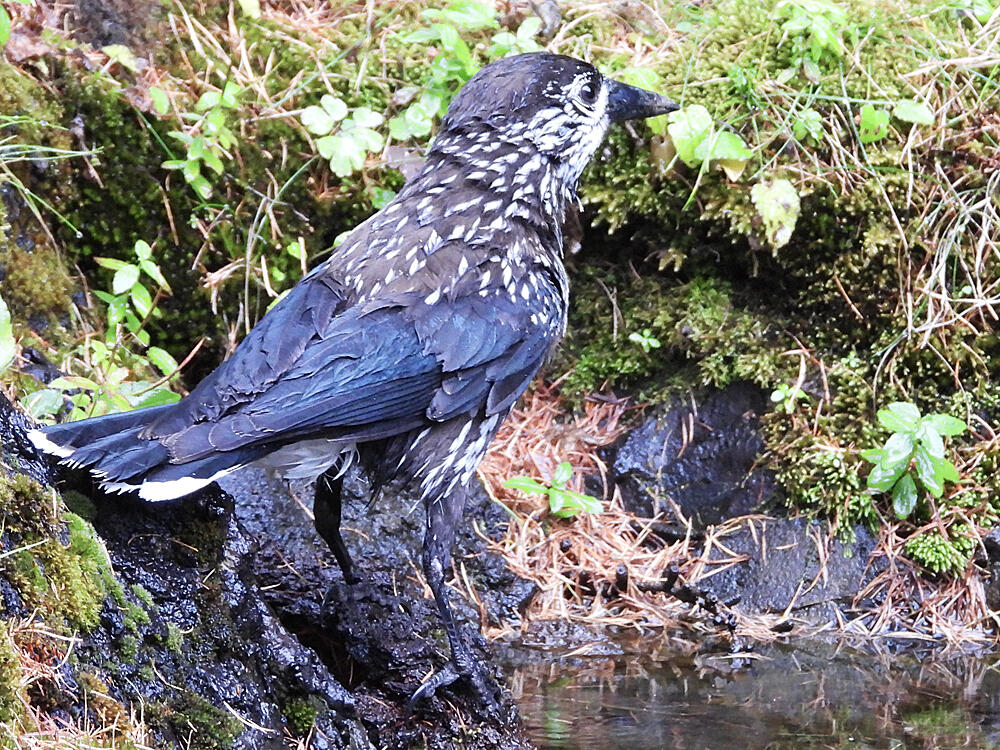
[813, 696]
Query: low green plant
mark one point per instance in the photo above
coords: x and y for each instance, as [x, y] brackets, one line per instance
[454, 64]
[122, 361]
[645, 339]
[700, 145]
[344, 141]
[787, 398]
[808, 125]
[913, 457]
[563, 502]
[506, 43]
[815, 30]
[873, 125]
[207, 139]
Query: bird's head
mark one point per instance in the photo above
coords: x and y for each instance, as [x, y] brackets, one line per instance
[547, 105]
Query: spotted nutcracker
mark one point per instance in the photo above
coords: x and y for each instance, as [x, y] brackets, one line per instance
[406, 349]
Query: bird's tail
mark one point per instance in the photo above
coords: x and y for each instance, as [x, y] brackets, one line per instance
[114, 450]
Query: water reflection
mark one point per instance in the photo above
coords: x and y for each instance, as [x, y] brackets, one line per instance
[817, 696]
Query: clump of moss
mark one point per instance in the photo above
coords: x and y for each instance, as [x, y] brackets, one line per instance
[61, 566]
[36, 287]
[686, 332]
[300, 713]
[11, 692]
[199, 722]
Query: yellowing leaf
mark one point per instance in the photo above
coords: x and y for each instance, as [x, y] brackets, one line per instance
[777, 202]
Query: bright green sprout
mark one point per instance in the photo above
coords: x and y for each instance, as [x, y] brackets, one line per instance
[563, 503]
[913, 456]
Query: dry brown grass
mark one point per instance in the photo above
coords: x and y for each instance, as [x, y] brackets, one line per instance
[41, 654]
[580, 564]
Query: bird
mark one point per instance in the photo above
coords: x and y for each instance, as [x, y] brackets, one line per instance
[408, 347]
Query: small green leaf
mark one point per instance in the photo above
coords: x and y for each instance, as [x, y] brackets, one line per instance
[316, 120]
[367, 138]
[898, 448]
[141, 300]
[125, 278]
[943, 424]
[8, 347]
[567, 503]
[874, 124]
[364, 117]
[250, 8]
[164, 362]
[142, 250]
[113, 263]
[557, 501]
[882, 477]
[207, 100]
[44, 403]
[875, 455]
[526, 484]
[910, 110]
[201, 186]
[730, 152]
[157, 397]
[931, 439]
[161, 102]
[808, 124]
[153, 271]
[231, 95]
[688, 128]
[563, 473]
[346, 155]
[74, 382]
[899, 417]
[122, 55]
[904, 496]
[4, 26]
[948, 472]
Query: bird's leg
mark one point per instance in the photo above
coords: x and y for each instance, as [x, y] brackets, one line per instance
[326, 515]
[443, 517]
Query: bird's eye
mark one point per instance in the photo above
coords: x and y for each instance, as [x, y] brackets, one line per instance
[588, 93]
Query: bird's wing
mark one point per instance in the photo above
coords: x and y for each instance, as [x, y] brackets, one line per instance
[490, 346]
[370, 372]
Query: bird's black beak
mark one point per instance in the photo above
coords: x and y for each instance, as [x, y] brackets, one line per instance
[630, 103]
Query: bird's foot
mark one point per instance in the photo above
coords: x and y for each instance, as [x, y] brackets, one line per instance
[474, 677]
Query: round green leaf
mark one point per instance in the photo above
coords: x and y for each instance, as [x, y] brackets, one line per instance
[910, 110]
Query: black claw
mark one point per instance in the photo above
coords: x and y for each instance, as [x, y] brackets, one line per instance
[430, 686]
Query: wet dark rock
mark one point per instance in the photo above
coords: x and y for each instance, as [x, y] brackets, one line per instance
[991, 562]
[697, 457]
[792, 564]
[381, 637]
[206, 623]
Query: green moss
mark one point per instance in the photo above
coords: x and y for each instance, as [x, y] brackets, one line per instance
[11, 692]
[703, 334]
[174, 639]
[300, 713]
[128, 648]
[144, 596]
[943, 553]
[36, 287]
[206, 727]
[62, 567]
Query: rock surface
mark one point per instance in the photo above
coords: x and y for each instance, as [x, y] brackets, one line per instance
[699, 455]
[224, 641]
